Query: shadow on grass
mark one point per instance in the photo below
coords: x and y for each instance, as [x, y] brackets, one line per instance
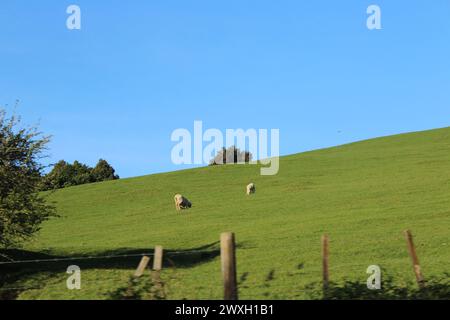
[12, 274]
[435, 289]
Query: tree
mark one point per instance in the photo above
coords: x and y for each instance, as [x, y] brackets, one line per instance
[81, 174]
[231, 155]
[59, 177]
[103, 171]
[22, 207]
[65, 174]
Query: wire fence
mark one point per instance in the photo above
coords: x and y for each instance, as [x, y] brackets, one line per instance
[267, 283]
[80, 258]
[74, 259]
[20, 288]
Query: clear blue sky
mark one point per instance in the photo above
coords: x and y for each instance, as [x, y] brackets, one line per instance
[140, 69]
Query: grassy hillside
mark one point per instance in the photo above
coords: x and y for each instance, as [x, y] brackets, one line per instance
[362, 194]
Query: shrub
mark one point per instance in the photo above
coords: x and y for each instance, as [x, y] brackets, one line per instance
[231, 155]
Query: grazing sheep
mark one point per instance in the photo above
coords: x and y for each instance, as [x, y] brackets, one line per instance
[251, 189]
[181, 202]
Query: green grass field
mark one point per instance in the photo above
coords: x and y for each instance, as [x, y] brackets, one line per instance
[363, 195]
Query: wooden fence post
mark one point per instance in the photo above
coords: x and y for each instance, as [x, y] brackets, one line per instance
[415, 260]
[158, 258]
[228, 258]
[142, 266]
[325, 252]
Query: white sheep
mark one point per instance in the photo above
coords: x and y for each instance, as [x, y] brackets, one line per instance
[251, 189]
[181, 202]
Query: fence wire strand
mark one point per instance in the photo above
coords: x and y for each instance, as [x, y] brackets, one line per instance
[75, 258]
[168, 254]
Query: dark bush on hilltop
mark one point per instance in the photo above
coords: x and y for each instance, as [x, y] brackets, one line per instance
[65, 174]
[231, 155]
[103, 171]
[22, 208]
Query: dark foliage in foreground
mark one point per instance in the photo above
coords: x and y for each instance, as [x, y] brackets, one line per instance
[435, 289]
[146, 287]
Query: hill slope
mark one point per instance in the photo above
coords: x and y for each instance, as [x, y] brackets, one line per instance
[362, 194]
